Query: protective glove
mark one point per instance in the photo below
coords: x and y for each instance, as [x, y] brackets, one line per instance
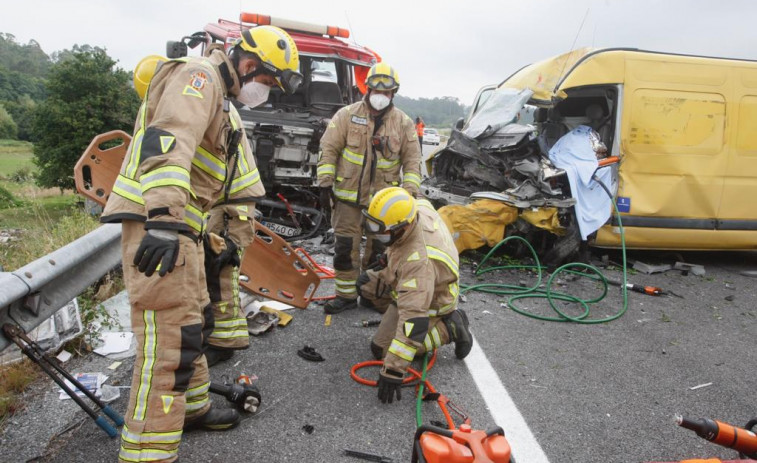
[361, 280]
[379, 263]
[326, 197]
[389, 384]
[215, 261]
[159, 248]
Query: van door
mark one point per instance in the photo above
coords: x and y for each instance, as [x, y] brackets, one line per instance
[737, 211]
[673, 130]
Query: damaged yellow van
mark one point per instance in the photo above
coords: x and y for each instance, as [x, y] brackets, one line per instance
[684, 128]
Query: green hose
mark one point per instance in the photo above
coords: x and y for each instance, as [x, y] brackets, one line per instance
[419, 399]
[519, 292]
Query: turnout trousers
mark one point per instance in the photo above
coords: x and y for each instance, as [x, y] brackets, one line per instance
[171, 318]
[391, 326]
[230, 330]
[347, 221]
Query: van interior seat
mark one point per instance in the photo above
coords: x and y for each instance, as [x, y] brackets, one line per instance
[552, 129]
[324, 93]
[598, 121]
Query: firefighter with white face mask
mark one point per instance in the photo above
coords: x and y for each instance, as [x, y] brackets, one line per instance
[188, 156]
[264, 57]
[368, 146]
[419, 283]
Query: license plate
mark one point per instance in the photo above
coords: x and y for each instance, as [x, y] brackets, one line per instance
[282, 230]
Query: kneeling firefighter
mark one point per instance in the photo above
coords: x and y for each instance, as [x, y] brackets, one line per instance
[419, 284]
[188, 155]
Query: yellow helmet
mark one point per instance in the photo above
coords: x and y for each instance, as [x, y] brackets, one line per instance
[144, 71]
[382, 76]
[390, 210]
[277, 52]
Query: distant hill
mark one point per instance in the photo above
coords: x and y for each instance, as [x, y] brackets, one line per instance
[437, 112]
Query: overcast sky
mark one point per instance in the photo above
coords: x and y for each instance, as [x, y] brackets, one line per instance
[440, 48]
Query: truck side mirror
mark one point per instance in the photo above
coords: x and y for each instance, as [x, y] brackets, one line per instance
[176, 49]
[459, 124]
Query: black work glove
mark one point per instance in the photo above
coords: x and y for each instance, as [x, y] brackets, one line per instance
[389, 384]
[159, 248]
[326, 197]
[361, 280]
[379, 262]
[215, 262]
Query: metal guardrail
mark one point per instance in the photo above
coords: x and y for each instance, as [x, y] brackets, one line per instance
[31, 294]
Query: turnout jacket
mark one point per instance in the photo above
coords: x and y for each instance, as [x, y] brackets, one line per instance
[178, 165]
[422, 270]
[351, 165]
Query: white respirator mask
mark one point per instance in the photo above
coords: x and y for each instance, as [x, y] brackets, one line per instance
[379, 101]
[384, 239]
[254, 94]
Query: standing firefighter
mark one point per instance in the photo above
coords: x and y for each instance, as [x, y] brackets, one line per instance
[189, 153]
[367, 146]
[419, 282]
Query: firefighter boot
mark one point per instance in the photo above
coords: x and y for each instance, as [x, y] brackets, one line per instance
[339, 304]
[214, 420]
[457, 327]
[217, 354]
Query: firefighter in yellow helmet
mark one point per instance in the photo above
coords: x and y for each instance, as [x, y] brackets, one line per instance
[419, 283]
[367, 146]
[189, 154]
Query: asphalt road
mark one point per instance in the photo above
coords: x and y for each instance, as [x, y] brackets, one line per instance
[589, 393]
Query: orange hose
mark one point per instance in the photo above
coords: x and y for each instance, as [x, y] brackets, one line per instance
[414, 374]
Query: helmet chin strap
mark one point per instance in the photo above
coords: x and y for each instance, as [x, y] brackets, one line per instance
[250, 75]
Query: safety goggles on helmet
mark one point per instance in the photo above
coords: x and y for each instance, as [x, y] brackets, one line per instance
[288, 80]
[381, 82]
[376, 226]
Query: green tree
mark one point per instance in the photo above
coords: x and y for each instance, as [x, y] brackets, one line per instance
[438, 112]
[8, 128]
[22, 112]
[87, 95]
[23, 70]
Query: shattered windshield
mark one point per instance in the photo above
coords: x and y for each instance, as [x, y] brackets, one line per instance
[499, 110]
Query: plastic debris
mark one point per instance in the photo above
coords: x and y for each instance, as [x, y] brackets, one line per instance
[650, 268]
[694, 269]
[310, 354]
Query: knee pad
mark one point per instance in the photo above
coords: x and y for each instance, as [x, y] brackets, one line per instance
[191, 349]
[343, 253]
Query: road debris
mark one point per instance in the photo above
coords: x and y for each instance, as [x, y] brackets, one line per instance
[651, 268]
[699, 386]
[694, 269]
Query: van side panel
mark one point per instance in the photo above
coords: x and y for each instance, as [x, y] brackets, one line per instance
[673, 138]
[740, 187]
[679, 239]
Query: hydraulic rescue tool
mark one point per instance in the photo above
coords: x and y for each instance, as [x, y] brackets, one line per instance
[32, 350]
[242, 393]
[433, 444]
[743, 440]
[462, 445]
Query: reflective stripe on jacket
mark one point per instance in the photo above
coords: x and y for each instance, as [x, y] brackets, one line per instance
[177, 165]
[347, 162]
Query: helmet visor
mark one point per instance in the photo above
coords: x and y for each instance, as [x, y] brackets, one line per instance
[381, 82]
[289, 80]
[373, 225]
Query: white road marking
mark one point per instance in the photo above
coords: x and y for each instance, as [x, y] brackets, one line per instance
[525, 448]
